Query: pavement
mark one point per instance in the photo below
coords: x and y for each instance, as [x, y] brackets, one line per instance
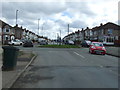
[114, 51]
[7, 78]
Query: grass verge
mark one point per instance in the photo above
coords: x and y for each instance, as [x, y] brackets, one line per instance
[59, 46]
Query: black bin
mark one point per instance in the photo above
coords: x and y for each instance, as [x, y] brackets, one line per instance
[10, 54]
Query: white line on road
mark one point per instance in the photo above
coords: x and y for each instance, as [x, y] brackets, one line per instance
[79, 55]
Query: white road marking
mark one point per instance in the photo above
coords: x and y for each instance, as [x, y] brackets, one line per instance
[79, 55]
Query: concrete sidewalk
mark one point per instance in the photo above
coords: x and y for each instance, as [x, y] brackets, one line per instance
[8, 78]
[114, 51]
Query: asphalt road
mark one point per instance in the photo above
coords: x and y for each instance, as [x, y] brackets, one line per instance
[69, 68]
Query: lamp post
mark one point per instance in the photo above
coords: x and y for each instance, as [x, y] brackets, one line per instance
[16, 16]
[38, 26]
[68, 33]
[60, 37]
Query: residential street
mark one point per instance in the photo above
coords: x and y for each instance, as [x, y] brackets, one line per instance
[55, 44]
[69, 68]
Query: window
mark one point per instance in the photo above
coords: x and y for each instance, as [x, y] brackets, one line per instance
[0, 30]
[7, 30]
[110, 31]
[102, 31]
[116, 37]
[6, 38]
[110, 39]
[95, 33]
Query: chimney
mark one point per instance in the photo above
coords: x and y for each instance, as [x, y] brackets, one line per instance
[101, 24]
[82, 29]
[16, 25]
[87, 28]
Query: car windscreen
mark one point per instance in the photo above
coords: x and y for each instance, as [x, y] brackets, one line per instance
[88, 42]
[98, 44]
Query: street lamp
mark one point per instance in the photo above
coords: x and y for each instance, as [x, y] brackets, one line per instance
[60, 37]
[38, 26]
[16, 16]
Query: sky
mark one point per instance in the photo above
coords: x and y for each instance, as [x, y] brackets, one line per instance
[54, 16]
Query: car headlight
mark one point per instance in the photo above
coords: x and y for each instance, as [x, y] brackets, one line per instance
[93, 47]
[103, 48]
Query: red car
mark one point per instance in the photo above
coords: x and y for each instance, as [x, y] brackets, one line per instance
[97, 47]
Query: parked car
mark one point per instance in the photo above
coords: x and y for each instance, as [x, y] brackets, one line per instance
[97, 47]
[28, 43]
[85, 43]
[15, 42]
[23, 40]
[69, 42]
[43, 42]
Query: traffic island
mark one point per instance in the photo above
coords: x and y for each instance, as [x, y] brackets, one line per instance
[24, 59]
[59, 46]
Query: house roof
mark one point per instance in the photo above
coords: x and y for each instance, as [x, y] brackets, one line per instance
[108, 25]
[111, 25]
[3, 24]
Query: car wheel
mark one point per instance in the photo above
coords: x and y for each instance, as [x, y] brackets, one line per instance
[89, 50]
[12, 43]
[20, 43]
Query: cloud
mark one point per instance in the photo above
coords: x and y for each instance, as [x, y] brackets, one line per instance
[57, 15]
[78, 24]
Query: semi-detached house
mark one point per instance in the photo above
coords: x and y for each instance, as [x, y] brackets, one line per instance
[8, 33]
[108, 33]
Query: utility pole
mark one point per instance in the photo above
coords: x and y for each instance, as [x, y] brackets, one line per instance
[68, 31]
[16, 16]
[38, 26]
[60, 37]
[57, 38]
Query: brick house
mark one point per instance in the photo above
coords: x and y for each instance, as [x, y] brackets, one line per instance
[87, 34]
[18, 32]
[82, 34]
[106, 33]
[0, 32]
[7, 32]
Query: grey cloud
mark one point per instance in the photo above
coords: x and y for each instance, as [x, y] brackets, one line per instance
[27, 22]
[82, 8]
[62, 23]
[74, 24]
[31, 11]
[78, 24]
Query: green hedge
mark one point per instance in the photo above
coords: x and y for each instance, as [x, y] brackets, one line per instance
[60, 46]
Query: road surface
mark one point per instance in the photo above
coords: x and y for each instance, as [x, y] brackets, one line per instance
[69, 68]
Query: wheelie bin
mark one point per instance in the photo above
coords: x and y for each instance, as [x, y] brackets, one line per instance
[10, 54]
